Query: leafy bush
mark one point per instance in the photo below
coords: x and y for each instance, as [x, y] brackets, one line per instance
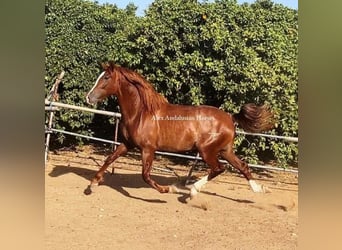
[80, 35]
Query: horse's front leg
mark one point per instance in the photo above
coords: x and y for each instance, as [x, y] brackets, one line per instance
[121, 150]
[147, 159]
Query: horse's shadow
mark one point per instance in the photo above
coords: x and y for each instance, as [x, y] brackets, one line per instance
[116, 181]
[120, 181]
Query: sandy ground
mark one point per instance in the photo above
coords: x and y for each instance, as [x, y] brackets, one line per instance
[125, 213]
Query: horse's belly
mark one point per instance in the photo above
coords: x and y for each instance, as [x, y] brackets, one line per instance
[178, 141]
[176, 148]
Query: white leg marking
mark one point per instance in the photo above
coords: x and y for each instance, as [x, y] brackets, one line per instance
[193, 192]
[197, 186]
[97, 81]
[200, 183]
[256, 187]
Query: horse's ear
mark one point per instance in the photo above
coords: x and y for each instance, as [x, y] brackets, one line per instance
[105, 66]
[108, 66]
[112, 65]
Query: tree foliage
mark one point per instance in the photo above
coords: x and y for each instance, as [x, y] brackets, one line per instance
[216, 53]
[80, 35]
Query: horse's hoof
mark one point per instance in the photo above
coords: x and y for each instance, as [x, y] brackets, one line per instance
[91, 188]
[256, 187]
[266, 189]
[88, 190]
[193, 192]
[173, 189]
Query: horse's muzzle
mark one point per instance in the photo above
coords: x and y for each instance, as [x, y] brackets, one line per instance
[95, 96]
[92, 99]
[89, 101]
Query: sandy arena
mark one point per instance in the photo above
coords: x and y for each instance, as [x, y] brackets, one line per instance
[125, 213]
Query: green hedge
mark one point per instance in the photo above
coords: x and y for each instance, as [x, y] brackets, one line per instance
[221, 54]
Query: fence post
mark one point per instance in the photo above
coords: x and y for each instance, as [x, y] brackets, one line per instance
[54, 95]
[117, 120]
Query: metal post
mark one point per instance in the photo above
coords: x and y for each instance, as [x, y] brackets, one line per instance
[117, 119]
[48, 136]
[54, 95]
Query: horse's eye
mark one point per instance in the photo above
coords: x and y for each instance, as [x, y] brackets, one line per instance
[106, 77]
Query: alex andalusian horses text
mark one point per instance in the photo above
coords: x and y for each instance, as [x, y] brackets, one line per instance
[151, 123]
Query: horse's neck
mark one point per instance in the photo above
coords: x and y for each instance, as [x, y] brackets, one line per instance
[130, 103]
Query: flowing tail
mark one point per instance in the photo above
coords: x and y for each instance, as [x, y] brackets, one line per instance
[253, 118]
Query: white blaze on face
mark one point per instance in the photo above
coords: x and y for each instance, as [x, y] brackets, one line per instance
[97, 81]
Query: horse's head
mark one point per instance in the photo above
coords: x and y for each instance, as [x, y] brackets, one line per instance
[106, 84]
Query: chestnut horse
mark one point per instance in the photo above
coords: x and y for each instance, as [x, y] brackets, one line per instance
[150, 123]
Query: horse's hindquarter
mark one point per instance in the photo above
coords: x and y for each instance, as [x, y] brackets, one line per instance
[180, 127]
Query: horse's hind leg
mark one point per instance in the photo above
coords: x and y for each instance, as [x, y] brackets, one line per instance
[121, 150]
[243, 168]
[216, 168]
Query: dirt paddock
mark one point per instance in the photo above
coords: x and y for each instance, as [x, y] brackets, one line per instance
[125, 213]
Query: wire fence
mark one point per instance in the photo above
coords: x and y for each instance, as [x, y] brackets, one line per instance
[52, 107]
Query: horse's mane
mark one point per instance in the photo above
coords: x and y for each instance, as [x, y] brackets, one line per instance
[151, 99]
